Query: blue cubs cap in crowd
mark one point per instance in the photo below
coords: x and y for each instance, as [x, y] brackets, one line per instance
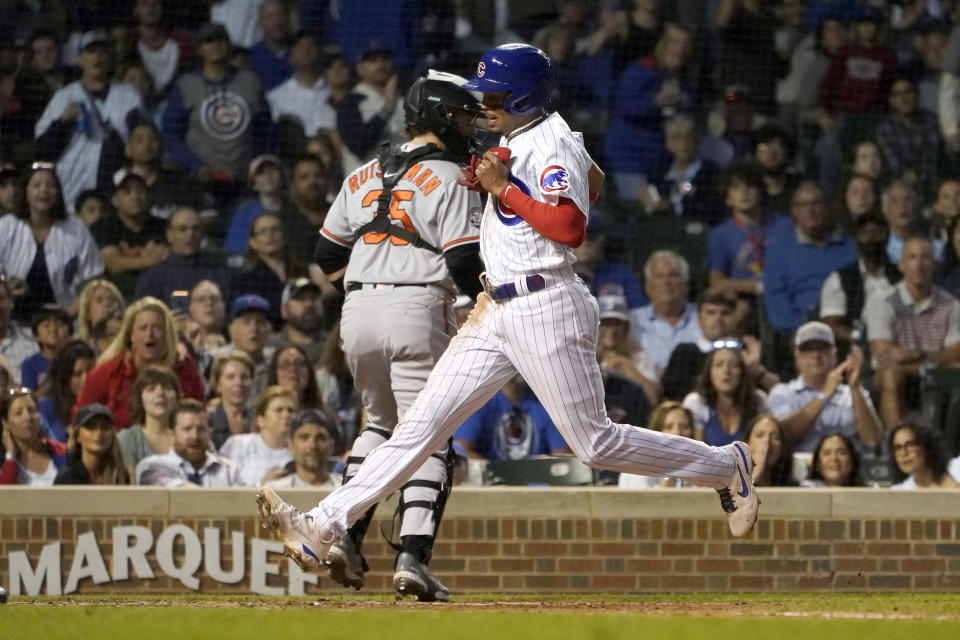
[613, 307]
[249, 302]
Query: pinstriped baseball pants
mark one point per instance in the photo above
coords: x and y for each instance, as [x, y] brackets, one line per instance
[550, 338]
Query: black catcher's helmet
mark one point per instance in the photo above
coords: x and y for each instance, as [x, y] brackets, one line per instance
[438, 102]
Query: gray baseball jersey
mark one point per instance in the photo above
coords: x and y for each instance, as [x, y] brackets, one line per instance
[427, 200]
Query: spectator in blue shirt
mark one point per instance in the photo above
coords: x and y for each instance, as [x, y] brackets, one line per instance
[649, 92]
[670, 319]
[270, 58]
[510, 426]
[736, 249]
[799, 262]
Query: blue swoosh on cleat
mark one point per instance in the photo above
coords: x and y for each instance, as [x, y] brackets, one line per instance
[744, 492]
[309, 553]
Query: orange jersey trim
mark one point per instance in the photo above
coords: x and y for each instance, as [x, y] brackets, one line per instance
[460, 241]
[335, 238]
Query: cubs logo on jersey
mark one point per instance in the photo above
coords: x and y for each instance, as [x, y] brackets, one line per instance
[554, 178]
[507, 215]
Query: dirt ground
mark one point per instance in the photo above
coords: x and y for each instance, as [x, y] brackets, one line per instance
[772, 608]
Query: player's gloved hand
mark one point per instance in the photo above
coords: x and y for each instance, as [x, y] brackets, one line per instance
[469, 179]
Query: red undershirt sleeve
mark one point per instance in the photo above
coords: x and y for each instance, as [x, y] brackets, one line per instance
[563, 223]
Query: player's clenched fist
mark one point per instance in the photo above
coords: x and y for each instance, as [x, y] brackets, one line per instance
[492, 172]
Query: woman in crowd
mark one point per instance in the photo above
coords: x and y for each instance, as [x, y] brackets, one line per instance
[51, 253]
[668, 417]
[65, 379]
[866, 159]
[290, 368]
[836, 463]
[859, 197]
[771, 458]
[29, 458]
[269, 264]
[154, 396]
[231, 379]
[93, 454]
[725, 400]
[618, 351]
[920, 458]
[99, 313]
[263, 456]
[147, 337]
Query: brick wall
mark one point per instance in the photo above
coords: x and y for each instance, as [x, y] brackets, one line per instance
[569, 540]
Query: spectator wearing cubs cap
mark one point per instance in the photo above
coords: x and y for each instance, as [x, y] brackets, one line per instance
[618, 352]
[826, 397]
[313, 439]
[249, 331]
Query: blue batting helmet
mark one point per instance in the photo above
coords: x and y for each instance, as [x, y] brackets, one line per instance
[522, 70]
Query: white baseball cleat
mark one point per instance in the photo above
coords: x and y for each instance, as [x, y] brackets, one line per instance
[305, 540]
[739, 498]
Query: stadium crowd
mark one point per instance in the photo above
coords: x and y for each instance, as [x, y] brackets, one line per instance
[776, 255]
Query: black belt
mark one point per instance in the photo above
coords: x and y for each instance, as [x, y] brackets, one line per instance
[536, 282]
[356, 286]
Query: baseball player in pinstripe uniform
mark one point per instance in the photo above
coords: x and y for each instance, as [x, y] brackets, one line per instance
[535, 317]
[398, 315]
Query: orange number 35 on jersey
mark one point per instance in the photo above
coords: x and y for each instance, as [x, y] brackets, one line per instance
[396, 213]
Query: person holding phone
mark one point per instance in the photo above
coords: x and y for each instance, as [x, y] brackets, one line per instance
[826, 397]
[185, 266]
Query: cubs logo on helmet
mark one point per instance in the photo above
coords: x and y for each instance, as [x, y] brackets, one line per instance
[554, 178]
[507, 215]
[481, 69]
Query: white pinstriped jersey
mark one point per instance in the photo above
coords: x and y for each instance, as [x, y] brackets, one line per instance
[427, 199]
[548, 162]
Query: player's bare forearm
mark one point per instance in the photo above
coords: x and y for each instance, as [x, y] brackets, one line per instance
[796, 425]
[866, 419]
[735, 285]
[595, 177]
